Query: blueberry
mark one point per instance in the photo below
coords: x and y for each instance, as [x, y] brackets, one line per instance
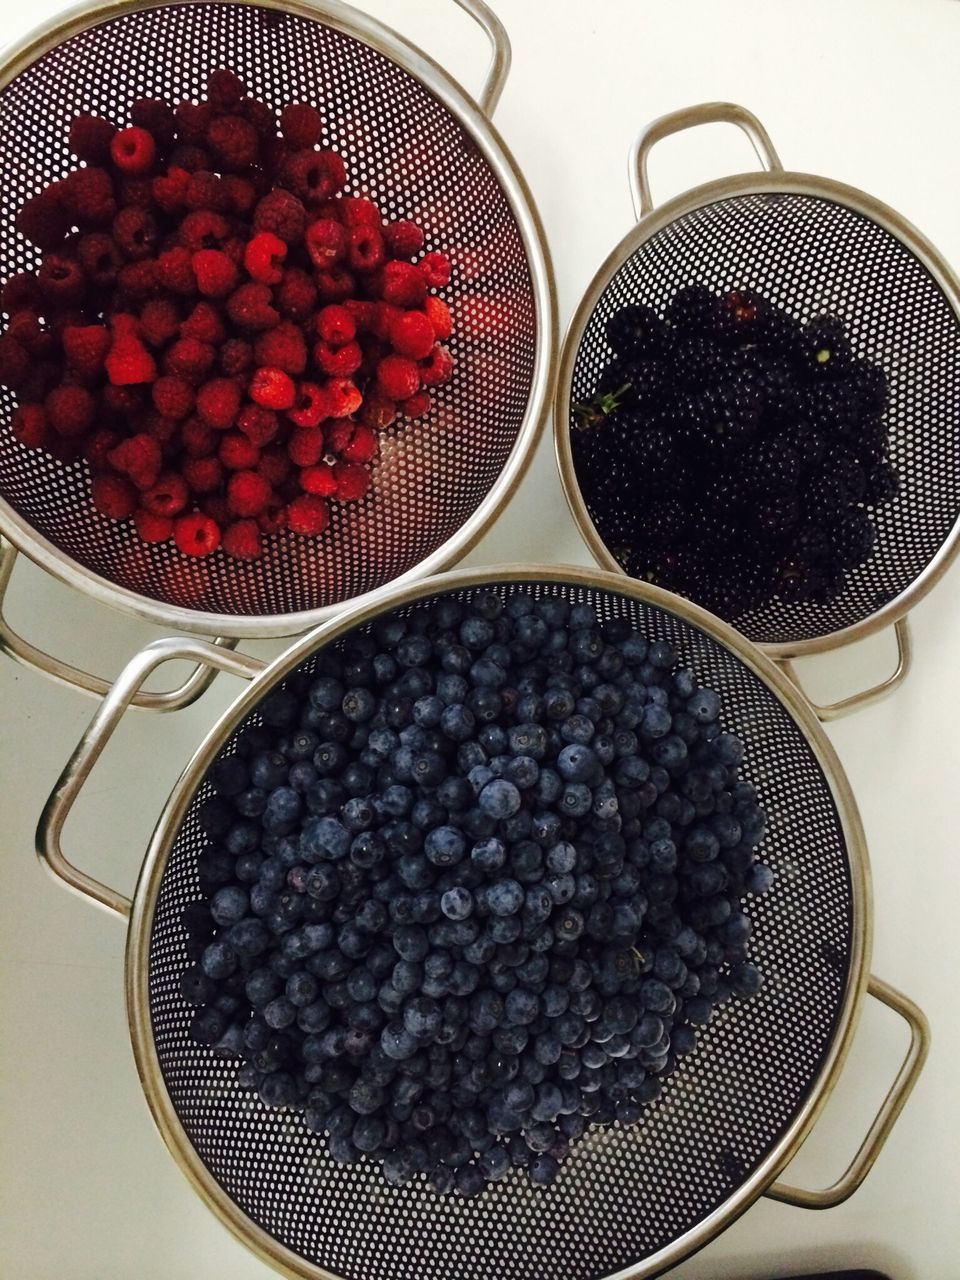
[444, 846]
[543, 1170]
[457, 903]
[499, 799]
[504, 898]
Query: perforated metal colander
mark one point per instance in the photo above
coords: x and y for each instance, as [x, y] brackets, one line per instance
[811, 245]
[413, 140]
[628, 1202]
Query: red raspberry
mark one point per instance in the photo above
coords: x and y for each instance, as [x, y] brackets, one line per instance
[411, 334]
[205, 324]
[90, 137]
[129, 362]
[326, 242]
[358, 211]
[336, 284]
[98, 446]
[436, 269]
[313, 175]
[308, 515]
[403, 238]
[377, 410]
[157, 118]
[242, 540]
[263, 257]
[225, 88]
[41, 221]
[216, 274]
[403, 285]
[215, 506]
[282, 214]
[242, 193]
[161, 429]
[159, 322]
[122, 401]
[190, 157]
[363, 314]
[150, 527]
[343, 397]
[236, 357]
[259, 425]
[353, 481]
[203, 475]
[438, 313]
[237, 452]
[272, 388]
[135, 233]
[189, 359]
[62, 281]
[218, 403]
[319, 480]
[136, 281]
[198, 440]
[173, 397]
[196, 534]
[297, 296]
[250, 308]
[234, 250]
[438, 368]
[312, 405]
[170, 190]
[40, 379]
[398, 377]
[306, 447]
[417, 406]
[29, 425]
[86, 348]
[135, 193]
[193, 120]
[301, 125]
[282, 348]
[358, 444]
[25, 329]
[204, 229]
[133, 150]
[233, 141]
[206, 193]
[175, 269]
[88, 195]
[335, 325]
[366, 250]
[338, 362]
[274, 466]
[113, 496]
[261, 116]
[20, 293]
[138, 458]
[248, 493]
[167, 496]
[272, 520]
[384, 317]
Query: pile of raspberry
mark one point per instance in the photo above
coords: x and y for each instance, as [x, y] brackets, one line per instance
[216, 328]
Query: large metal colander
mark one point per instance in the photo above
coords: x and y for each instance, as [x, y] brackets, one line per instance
[811, 245]
[413, 140]
[628, 1202]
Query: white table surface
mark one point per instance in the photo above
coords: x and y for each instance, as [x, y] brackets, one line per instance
[865, 91]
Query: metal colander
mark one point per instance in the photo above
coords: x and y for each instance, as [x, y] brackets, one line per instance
[413, 140]
[811, 245]
[628, 1201]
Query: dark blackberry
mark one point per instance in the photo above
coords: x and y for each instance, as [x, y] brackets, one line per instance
[831, 407]
[775, 513]
[853, 537]
[825, 348]
[805, 441]
[869, 382]
[883, 485]
[590, 413]
[697, 362]
[824, 497]
[780, 336]
[775, 384]
[773, 465]
[649, 379]
[636, 332]
[812, 543]
[662, 523]
[844, 467]
[694, 310]
[654, 455]
[747, 581]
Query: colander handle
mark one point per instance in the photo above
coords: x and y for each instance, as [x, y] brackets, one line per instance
[886, 1117]
[687, 118]
[833, 710]
[499, 67]
[29, 655]
[90, 747]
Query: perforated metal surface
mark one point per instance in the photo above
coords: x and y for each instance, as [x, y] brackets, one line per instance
[623, 1196]
[813, 255]
[404, 148]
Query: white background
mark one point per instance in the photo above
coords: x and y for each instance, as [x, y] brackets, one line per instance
[865, 91]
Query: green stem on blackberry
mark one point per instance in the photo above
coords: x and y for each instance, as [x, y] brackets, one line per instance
[590, 413]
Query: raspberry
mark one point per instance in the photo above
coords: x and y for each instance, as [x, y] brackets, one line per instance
[297, 296]
[90, 137]
[242, 540]
[319, 480]
[282, 214]
[88, 195]
[242, 193]
[205, 324]
[301, 125]
[218, 403]
[417, 405]
[138, 280]
[272, 388]
[313, 175]
[170, 190]
[173, 397]
[122, 401]
[86, 348]
[436, 269]
[282, 348]
[196, 534]
[343, 397]
[20, 293]
[29, 425]
[438, 368]
[438, 313]
[175, 269]
[308, 515]
[385, 314]
[326, 242]
[236, 356]
[358, 211]
[159, 322]
[206, 193]
[263, 257]
[398, 377]
[336, 284]
[129, 362]
[237, 452]
[190, 157]
[189, 359]
[161, 429]
[365, 250]
[377, 410]
[363, 314]
[135, 233]
[336, 326]
[248, 493]
[215, 506]
[135, 193]
[62, 281]
[411, 334]
[225, 88]
[133, 150]
[139, 458]
[233, 141]
[250, 308]
[306, 447]
[167, 496]
[273, 519]
[338, 362]
[41, 221]
[259, 425]
[193, 120]
[157, 118]
[403, 238]
[198, 440]
[25, 329]
[353, 481]
[203, 475]
[261, 116]
[403, 285]
[150, 527]
[204, 229]
[312, 405]
[357, 444]
[113, 496]
[274, 466]
[98, 446]
[216, 274]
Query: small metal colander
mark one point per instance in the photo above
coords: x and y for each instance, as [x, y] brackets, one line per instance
[811, 245]
[413, 140]
[628, 1202]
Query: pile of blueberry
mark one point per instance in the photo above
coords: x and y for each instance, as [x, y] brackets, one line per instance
[733, 454]
[472, 885]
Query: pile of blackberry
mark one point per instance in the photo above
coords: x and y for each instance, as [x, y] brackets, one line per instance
[472, 886]
[731, 453]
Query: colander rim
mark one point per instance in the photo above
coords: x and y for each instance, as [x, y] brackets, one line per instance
[779, 182]
[455, 99]
[140, 928]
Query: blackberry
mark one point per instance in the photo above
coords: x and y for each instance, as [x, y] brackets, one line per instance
[824, 497]
[883, 485]
[869, 383]
[776, 513]
[781, 398]
[853, 537]
[772, 464]
[804, 440]
[589, 413]
[812, 543]
[870, 443]
[654, 455]
[780, 336]
[697, 362]
[743, 314]
[848, 472]
[636, 332]
[825, 348]
[661, 523]
[832, 407]
[694, 310]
